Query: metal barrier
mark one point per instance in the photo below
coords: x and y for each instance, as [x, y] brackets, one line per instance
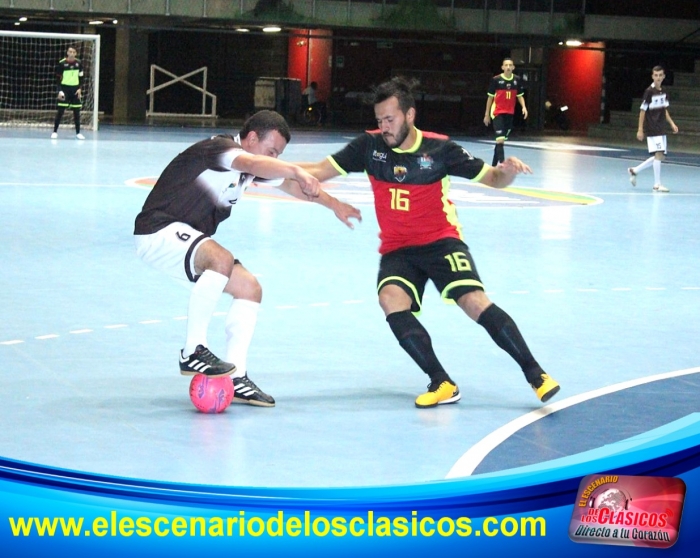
[180, 79]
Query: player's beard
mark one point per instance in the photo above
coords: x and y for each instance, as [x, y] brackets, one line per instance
[399, 138]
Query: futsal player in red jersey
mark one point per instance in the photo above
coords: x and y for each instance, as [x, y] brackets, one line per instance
[504, 91]
[421, 237]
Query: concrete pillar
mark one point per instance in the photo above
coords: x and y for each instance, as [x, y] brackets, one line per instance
[131, 75]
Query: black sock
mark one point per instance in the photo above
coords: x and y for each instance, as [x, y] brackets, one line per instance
[494, 161]
[506, 334]
[499, 154]
[57, 120]
[76, 119]
[415, 340]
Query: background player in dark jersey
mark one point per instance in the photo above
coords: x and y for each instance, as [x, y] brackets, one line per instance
[69, 73]
[504, 90]
[653, 115]
[421, 237]
[195, 193]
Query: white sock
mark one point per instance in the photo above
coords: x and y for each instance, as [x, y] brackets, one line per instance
[657, 171]
[205, 294]
[645, 165]
[240, 325]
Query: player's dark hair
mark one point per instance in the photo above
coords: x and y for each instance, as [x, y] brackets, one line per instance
[266, 121]
[507, 58]
[399, 87]
[658, 69]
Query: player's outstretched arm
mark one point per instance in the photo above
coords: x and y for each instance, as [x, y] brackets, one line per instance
[269, 167]
[504, 173]
[343, 211]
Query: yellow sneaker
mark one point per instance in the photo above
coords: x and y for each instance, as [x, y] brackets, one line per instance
[438, 394]
[545, 387]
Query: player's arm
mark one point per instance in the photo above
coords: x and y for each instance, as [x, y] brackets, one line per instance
[504, 173]
[343, 211]
[640, 125]
[487, 114]
[269, 167]
[58, 71]
[79, 92]
[521, 100]
[671, 122]
[323, 170]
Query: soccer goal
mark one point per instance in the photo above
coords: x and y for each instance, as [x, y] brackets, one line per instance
[28, 85]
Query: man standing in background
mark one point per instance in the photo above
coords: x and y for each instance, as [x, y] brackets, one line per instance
[653, 115]
[503, 91]
[69, 73]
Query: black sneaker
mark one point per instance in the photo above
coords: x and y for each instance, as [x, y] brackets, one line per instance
[245, 391]
[203, 361]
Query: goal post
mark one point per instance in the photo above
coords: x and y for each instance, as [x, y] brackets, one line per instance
[28, 86]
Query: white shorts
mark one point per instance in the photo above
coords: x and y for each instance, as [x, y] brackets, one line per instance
[171, 250]
[656, 143]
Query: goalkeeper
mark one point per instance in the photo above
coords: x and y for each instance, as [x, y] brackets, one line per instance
[69, 74]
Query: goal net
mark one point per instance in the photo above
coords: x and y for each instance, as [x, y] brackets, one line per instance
[28, 83]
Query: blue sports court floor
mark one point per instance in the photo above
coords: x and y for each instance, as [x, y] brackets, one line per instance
[602, 278]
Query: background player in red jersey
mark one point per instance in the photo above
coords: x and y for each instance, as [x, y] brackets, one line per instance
[504, 89]
[421, 237]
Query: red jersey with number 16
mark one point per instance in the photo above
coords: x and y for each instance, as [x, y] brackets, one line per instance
[411, 186]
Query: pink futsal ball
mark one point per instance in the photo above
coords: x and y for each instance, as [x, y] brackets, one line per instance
[211, 395]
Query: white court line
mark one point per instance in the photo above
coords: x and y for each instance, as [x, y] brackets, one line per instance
[466, 464]
[49, 336]
[65, 185]
[428, 296]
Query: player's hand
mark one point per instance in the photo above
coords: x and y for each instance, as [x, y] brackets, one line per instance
[674, 128]
[524, 113]
[640, 136]
[345, 212]
[79, 94]
[308, 184]
[61, 96]
[513, 165]
[487, 120]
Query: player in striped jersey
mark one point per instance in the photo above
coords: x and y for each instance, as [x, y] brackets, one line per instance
[653, 117]
[173, 233]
